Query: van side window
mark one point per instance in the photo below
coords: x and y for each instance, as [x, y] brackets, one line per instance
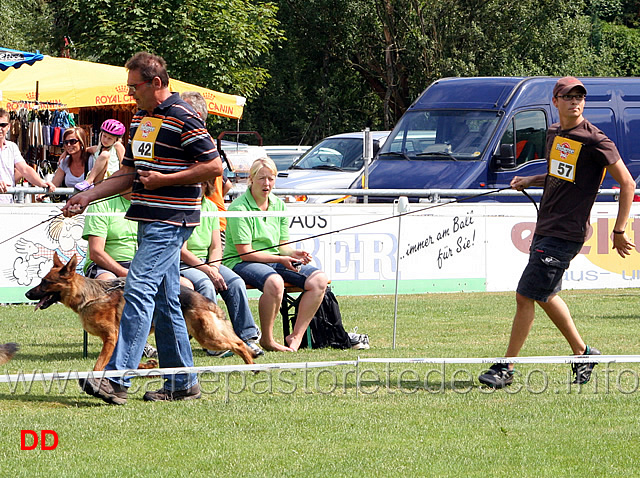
[526, 133]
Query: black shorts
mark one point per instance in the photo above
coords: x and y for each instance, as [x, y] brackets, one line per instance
[94, 270]
[549, 257]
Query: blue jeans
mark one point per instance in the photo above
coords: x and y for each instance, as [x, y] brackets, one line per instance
[235, 297]
[256, 273]
[152, 293]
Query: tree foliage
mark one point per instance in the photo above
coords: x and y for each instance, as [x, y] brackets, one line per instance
[311, 68]
[213, 43]
[349, 63]
[21, 24]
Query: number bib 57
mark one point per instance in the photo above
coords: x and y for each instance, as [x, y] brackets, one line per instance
[563, 158]
[144, 140]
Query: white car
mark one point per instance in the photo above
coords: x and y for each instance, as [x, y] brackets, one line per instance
[333, 163]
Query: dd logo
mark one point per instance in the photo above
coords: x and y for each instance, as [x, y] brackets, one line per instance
[34, 440]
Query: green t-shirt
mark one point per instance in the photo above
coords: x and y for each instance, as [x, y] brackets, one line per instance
[120, 234]
[260, 232]
[200, 240]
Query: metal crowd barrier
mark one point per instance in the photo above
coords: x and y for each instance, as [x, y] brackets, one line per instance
[432, 195]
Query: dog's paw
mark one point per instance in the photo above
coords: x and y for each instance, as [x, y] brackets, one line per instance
[151, 363]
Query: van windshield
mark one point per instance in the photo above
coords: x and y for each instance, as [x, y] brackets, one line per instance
[337, 154]
[440, 134]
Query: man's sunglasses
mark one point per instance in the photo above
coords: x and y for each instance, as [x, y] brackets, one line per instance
[134, 88]
[4, 125]
[70, 142]
[571, 97]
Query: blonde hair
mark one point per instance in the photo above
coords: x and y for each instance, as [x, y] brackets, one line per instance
[260, 163]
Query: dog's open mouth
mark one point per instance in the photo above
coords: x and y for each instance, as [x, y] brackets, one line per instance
[48, 300]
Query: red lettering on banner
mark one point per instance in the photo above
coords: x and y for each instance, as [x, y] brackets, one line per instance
[220, 108]
[522, 235]
[112, 99]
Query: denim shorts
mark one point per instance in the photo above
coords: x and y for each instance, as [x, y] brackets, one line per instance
[256, 273]
[549, 257]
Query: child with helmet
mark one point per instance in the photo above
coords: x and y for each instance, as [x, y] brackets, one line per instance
[107, 155]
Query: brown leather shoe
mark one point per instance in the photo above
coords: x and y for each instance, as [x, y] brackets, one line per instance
[104, 389]
[164, 395]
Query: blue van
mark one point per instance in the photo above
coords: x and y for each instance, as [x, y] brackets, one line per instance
[478, 133]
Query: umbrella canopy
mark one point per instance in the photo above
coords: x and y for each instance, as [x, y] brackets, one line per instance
[15, 58]
[73, 84]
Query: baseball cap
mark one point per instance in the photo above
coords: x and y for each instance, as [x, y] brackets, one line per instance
[566, 84]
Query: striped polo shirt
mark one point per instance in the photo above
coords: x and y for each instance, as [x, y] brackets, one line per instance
[180, 141]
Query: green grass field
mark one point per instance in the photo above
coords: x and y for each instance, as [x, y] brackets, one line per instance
[374, 420]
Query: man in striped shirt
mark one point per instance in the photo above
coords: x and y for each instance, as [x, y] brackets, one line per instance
[169, 154]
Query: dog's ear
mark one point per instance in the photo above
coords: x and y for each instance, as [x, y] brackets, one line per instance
[56, 260]
[70, 268]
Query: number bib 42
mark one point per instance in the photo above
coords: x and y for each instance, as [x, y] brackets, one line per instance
[563, 158]
[144, 140]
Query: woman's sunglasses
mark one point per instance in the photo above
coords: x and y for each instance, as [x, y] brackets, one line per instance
[70, 142]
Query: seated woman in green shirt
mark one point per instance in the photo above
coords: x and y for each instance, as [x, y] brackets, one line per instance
[254, 251]
[201, 256]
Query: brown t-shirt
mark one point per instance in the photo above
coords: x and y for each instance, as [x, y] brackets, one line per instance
[566, 206]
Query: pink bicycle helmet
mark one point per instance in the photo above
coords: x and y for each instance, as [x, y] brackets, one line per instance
[113, 127]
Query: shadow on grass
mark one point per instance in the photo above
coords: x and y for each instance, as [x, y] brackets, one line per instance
[63, 345]
[414, 385]
[53, 356]
[79, 401]
[619, 317]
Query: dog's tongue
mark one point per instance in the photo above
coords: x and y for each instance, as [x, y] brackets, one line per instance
[39, 304]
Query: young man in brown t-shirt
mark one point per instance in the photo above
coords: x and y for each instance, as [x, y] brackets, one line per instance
[578, 156]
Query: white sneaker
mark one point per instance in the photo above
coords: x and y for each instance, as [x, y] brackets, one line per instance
[149, 351]
[358, 341]
[254, 348]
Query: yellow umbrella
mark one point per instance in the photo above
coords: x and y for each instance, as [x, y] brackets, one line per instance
[80, 84]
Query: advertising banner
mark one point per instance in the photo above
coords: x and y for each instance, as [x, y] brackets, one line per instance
[365, 248]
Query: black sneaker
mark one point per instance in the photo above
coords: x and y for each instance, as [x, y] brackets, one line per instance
[164, 395]
[498, 376]
[104, 389]
[582, 371]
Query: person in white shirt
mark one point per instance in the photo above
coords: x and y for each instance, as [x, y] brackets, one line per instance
[13, 165]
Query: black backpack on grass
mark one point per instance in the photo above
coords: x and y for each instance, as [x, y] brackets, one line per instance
[326, 326]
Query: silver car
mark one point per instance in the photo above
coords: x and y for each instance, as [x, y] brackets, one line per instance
[284, 156]
[333, 163]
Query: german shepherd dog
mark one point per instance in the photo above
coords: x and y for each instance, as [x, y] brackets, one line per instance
[7, 351]
[99, 305]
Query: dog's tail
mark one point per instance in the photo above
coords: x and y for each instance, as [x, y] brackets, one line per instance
[7, 351]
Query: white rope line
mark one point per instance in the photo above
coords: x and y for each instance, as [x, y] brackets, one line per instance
[566, 359]
[301, 211]
[72, 375]
[154, 372]
[345, 213]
